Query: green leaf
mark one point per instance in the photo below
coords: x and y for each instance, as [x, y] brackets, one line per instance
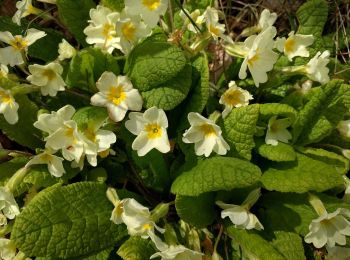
[103, 255]
[253, 244]
[191, 5]
[44, 48]
[197, 97]
[136, 248]
[89, 119]
[23, 132]
[275, 109]
[154, 62]
[197, 211]
[75, 15]
[114, 5]
[320, 115]
[216, 173]
[67, 221]
[171, 93]
[280, 153]
[87, 66]
[289, 244]
[307, 173]
[239, 128]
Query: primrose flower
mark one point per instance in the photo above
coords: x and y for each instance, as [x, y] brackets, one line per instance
[178, 252]
[8, 249]
[130, 29]
[8, 204]
[49, 123]
[54, 163]
[344, 128]
[117, 94]
[8, 106]
[118, 210]
[211, 17]
[267, 19]
[65, 50]
[234, 96]
[195, 16]
[12, 54]
[205, 135]
[316, 69]
[258, 56]
[101, 30]
[24, 8]
[329, 228]
[150, 128]
[150, 10]
[337, 253]
[295, 45]
[47, 77]
[277, 131]
[240, 215]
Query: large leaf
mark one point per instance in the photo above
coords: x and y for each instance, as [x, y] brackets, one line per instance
[280, 153]
[75, 15]
[289, 244]
[320, 115]
[66, 222]
[23, 132]
[317, 171]
[171, 93]
[253, 244]
[239, 128]
[217, 173]
[44, 48]
[87, 66]
[197, 211]
[154, 62]
[136, 248]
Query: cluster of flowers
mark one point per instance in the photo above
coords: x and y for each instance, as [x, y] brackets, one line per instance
[110, 30]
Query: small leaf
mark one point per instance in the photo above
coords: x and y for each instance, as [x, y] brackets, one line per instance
[269, 110]
[280, 153]
[154, 62]
[136, 248]
[197, 211]
[90, 118]
[171, 93]
[307, 173]
[239, 128]
[253, 244]
[216, 173]
[75, 15]
[86, 67]
[66, 222]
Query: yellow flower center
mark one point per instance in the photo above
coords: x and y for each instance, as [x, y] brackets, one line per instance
[69, 132]
[232, 97]
[46, 157]
[151, 4]
[214, 30]
[90, 134]
[253, 59]
[19, 43]
[5, 98]
[120, 208]
[128, 30]
[108, 31]
[208, 130]
[147, 226]
[49, 73]
[289, 45]
[153, 130]
[116, 95]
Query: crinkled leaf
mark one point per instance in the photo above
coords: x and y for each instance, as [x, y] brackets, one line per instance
[289, 244]
[23, 132]
[216, 173]
[307, 173]
[86, 67]
[154, 62]
[44, 48]
[103, 255]
[196, 210]
[171, 93]
[136, 248]
[67, 221]
[320, 115]
[90, 118]
[114, 5]
[253, 244]
[269, 110]
[75, 15]
[280, 153]
[239, 129]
